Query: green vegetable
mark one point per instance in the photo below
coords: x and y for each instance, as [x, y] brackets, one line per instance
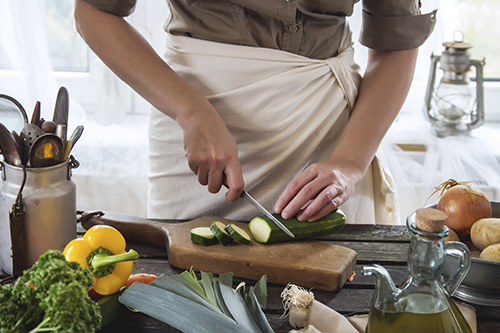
[219, 230]
[110, 308]
[238, 234]
[263, 230]
[203, 236]
[207, 305]
[58, 300]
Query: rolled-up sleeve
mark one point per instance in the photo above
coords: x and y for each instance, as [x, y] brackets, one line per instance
[395, 24]
[116, 7]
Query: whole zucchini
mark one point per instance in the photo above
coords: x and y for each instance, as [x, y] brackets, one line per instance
[264, 231]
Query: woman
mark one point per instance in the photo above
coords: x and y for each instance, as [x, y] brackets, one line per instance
[266, 94]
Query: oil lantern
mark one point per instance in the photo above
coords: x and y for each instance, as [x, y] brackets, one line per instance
[455, 107]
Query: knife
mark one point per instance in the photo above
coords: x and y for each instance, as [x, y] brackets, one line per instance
[61, 111]
[248, 198]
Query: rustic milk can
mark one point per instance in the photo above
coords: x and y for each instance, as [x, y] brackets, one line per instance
[48, 198]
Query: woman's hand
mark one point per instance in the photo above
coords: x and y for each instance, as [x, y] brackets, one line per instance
[328, 186]
[212, 152]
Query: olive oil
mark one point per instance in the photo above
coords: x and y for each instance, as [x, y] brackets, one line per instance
[448, 319]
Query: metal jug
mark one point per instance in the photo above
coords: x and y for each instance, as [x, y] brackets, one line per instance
[422, 303]
[49, 200]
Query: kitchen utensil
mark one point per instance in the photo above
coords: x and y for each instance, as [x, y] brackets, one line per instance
[46, 151]
[35, 118]
[9, 148]
[482, 284]
[19, 146]
[49, 200]
[49, 126]
[29, 134]
[244, 195]
[61, 132]
[61, 110]
[308, 263]
[247, 197]
[12, 114]
[77, 133]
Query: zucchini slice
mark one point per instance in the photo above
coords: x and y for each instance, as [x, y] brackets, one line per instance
[218, 229]
[238, 234]
[264, 231]
[203, 236]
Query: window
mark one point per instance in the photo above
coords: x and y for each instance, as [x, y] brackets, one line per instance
[481, 27]
[68, 52]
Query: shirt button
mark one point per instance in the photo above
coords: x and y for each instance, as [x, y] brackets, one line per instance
[294, 28]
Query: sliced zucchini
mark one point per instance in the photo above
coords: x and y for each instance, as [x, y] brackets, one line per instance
[263, 230]
[203, 236]
[218, 229]
[238, 233]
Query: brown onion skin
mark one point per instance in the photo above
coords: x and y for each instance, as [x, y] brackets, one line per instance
[464, 205]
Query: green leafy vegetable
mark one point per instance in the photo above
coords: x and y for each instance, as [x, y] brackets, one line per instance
[56, 299]
[206, 305]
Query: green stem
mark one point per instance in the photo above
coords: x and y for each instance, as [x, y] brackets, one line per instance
[101, 260]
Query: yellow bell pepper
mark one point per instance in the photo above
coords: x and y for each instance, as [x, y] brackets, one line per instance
[102, 251]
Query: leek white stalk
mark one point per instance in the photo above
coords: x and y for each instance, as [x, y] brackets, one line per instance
[297, 303]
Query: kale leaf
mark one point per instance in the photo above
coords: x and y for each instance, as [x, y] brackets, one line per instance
[58, 301]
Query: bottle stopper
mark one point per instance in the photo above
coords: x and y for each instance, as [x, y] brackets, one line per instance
[431, 219]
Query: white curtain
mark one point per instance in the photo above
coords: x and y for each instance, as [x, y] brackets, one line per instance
[113, 148]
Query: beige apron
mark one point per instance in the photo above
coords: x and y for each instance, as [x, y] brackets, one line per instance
[285, 111]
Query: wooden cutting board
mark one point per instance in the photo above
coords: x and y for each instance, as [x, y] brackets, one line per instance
[306, 263]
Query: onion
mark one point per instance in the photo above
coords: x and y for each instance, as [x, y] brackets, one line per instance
[464, 204]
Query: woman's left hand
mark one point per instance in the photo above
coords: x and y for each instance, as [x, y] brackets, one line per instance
[327, 184]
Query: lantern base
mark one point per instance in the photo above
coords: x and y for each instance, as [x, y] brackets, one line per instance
[443, 129]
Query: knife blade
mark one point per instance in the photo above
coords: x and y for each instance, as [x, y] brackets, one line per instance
[61, 111]
[248, 198]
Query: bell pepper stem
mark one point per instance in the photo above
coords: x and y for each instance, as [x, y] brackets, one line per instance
[101, 260]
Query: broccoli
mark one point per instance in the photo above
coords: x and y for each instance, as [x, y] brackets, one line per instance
[58, 301]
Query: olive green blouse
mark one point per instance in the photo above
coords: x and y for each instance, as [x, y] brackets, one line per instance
[312, 28]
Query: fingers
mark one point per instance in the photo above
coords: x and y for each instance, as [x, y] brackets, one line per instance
[235, 182]
[321, 187]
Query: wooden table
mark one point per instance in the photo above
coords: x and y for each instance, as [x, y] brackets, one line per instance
[384, 245]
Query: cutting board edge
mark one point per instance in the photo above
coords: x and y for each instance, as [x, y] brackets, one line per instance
[315, 278]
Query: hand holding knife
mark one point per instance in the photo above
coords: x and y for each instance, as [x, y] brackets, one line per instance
[247, 197]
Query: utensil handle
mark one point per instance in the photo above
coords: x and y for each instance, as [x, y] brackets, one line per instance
[462, 268]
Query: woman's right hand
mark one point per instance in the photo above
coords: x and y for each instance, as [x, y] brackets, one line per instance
[211, 150]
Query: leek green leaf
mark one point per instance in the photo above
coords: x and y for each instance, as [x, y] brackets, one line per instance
[177, 311]
[170, 284]
[255, 310]
[227, 279]
[260, 290]
[219, 298]
[238, 309]
[206, 282]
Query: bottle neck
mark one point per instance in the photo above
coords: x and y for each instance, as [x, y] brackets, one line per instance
[426, 254]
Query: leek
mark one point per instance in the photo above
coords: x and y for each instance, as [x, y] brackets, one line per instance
[177, 311]
[172, 285]
[238, 309]
[206, 305]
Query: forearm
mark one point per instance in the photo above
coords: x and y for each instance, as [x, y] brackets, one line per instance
[383, 91]
[132, 59]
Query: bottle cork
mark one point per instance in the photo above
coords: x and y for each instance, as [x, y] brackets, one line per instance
[431, 219]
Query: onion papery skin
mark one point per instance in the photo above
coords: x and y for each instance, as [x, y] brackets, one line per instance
[464, 205]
